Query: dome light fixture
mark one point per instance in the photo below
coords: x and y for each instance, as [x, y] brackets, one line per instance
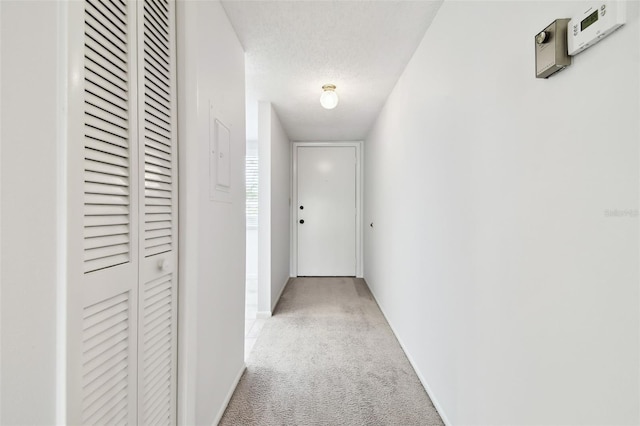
[329, 97]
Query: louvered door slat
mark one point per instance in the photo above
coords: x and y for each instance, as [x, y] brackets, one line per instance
[157, 65]
[159, 202]
[106, 167]
[157, 233]
[162, 339]
[114, 11]
[158, 217]
[160, 186]
[159, 8]
[106, 178]
[155, 334]
[153, 177]
[107, 230]
[152, 193]
[111, 379]
[93, 88]
[109, 48]
[158, 119]
[158, 243]
[160, 84]
[155, 161]
[107, 113]
[100, 140]
[97, 188]
[106, 152]
[110, 335]
[106, 262]
[104, 128]
[157, 209]
[159, 23]
[157, 360]
[104, 105]
[162, 7]
[92, 210]
[161, 147]
[106, 200]
[96, 22]
[154, 61]
[159, 225]
[113, 24]
[105, 74]
[158, 133]
[110, 240]
[155, 94]
[105, 394]
[158, 108]
[107, 251]
[102, 56]
[107, 135]
[110, 408]
[163, 155]
[97, 220]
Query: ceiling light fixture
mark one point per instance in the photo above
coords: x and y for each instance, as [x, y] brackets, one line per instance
[329, 97]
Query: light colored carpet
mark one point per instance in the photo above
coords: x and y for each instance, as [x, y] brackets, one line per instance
[328, 357]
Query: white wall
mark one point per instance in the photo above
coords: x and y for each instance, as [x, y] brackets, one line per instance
[494, 253]
[274, 164]
[29, 192]
[212, 250]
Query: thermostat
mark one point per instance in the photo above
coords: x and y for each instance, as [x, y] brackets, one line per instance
[594, 24]
[551, 49]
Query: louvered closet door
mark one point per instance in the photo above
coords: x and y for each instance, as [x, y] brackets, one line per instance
[109, 294]
[122, 295]
[157, 340]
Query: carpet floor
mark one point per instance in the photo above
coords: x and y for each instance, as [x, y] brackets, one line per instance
[328, 357]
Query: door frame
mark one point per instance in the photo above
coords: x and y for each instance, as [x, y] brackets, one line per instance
[293, 265]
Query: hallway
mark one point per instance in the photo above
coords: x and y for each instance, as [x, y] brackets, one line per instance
[328, 356]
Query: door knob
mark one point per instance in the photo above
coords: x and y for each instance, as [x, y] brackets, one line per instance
[301, 220]
[163, 265]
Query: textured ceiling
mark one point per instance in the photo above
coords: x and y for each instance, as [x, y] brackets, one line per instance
[294, 47]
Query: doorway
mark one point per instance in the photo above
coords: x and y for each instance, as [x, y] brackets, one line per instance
[326, 211]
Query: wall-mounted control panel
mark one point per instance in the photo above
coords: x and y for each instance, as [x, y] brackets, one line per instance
[551, 49]
[595, 23]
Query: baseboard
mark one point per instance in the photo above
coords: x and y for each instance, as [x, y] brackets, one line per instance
[229, 395]
[424, 382]
[263, 314]
[275, 303]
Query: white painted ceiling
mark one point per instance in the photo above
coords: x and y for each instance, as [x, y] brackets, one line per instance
[294, 47]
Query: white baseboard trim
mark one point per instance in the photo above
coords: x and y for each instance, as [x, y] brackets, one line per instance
[229, 395]
[275, 303]
[263, 314]
[426, 386]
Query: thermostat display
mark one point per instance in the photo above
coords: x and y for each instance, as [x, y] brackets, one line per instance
[594, 24]
[588, 20]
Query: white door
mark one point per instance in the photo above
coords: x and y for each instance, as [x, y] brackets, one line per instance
[326, 218]
[122, 224]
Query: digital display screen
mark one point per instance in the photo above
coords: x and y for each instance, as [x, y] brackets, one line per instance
[588, 20]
